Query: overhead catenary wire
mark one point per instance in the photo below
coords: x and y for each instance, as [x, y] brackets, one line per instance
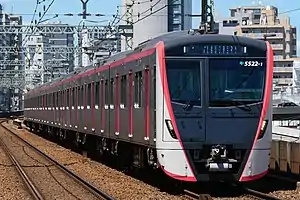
[32, 19]
[39, 21]
[140, 19]
[32, 26]
[116, 16]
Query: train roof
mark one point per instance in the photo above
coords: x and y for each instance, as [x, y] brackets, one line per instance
[171, 39]
[178, 38]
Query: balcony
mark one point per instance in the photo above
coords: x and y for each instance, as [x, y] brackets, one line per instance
[261, 35]
[276, 58]
[283, 81]
[283, 69]
[276, 35]
[277, 46]
[254, 35]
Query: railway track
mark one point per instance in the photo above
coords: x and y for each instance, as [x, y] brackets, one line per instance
[191, 195]
[244, 190]
[35, 187]
[260, 195]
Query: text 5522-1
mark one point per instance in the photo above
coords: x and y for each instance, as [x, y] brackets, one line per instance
[253, 64]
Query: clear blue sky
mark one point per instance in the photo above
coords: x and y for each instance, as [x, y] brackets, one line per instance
[109, 7]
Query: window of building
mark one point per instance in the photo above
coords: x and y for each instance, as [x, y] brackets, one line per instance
[232, 13]
[177, 19]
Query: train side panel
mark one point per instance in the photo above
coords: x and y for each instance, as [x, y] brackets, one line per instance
[75, 107]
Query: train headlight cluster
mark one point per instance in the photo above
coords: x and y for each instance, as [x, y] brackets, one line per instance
[264, 124]
[263, 129]
[171, 128]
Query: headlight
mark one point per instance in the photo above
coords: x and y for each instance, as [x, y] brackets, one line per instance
[264, 125]
[171, 128]
[263, 129]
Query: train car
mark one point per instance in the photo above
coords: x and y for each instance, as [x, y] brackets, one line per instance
[196, 106]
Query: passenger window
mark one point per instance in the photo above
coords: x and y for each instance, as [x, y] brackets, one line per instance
[68, 98]
[106, 92]
[97, 87]
[56, 99]
[123, 91]
[53, 99]
[111, 92]
[82, 96]
[89, 94]
[138, 84]
[79, 96]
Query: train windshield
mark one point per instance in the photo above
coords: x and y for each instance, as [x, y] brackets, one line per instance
[184, 81]
[236, 80]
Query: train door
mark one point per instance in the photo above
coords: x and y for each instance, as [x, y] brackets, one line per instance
[113, 119]
[106, 108]
[67, 122]
[72, 106]
[62, 103]
[89, 107]
[63, 108]
[97, 105]
[54, 106]
[185, 84]
[81, 110]
[58, 106]
[77, 107]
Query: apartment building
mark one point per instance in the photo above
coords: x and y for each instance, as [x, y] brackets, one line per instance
[10, 95]
[43, 66]
[260, 21]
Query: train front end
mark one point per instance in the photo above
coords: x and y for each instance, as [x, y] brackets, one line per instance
[214, 109]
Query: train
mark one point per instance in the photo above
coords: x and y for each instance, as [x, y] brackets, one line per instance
[197, 107]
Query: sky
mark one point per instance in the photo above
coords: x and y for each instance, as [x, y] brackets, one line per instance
[109, 8]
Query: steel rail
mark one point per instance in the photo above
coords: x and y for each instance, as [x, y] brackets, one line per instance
[97, 192]
[260, 194]
[34, 191]
[193, 195]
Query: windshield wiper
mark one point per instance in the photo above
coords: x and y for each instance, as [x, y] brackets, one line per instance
[188, 106]
[242, 106]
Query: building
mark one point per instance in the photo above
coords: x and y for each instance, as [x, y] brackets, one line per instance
[35, 71]
[96, 45]
[43, 66]
[4, 40]
[153, 18]
[10, 97]
[258, 21]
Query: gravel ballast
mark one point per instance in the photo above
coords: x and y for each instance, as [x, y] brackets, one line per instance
[12, 186]
[114, 182]
[111, 181]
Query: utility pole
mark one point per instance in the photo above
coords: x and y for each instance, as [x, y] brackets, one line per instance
[84, 13]
[207, 18]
